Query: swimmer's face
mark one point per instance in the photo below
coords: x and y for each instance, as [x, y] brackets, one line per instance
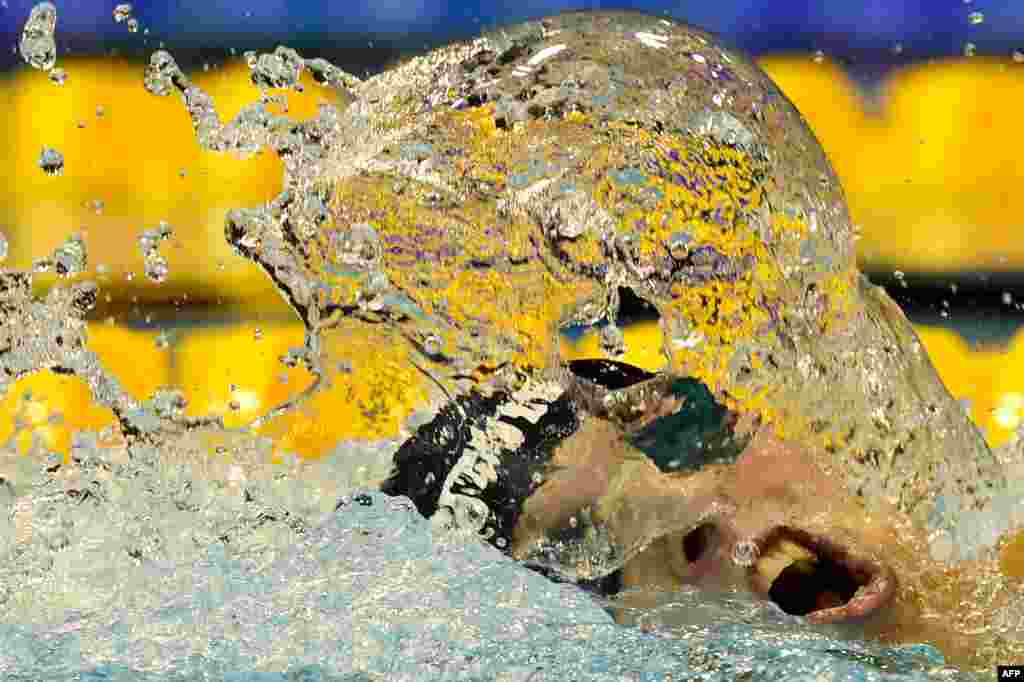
[769, 519]
[641, 484]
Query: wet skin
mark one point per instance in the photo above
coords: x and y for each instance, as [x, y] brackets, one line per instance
[825, 556]
[636, 485]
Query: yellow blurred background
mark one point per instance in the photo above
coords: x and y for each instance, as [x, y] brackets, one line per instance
[928, 162]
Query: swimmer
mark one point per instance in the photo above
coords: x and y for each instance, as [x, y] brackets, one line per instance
[799, 445]
[634, 485]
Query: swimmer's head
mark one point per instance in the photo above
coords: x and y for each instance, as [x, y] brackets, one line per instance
[523, 180]
[797, 443]
[618, 479]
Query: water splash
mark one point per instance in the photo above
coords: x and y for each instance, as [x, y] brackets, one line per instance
[51, 161]
[38, 47]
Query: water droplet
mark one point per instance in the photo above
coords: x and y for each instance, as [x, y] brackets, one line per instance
[970, 49]
[58, 76]
[359, 245]
[122, 12]
[819, 56]
[133, 25]
[679, 245]
[433, 345]
[4, 247]
[613, 341]
[745, 553]
[1017, 56]
[976, 18]
[897, 48]
[38, 46]
[51, 161]
[156, 268]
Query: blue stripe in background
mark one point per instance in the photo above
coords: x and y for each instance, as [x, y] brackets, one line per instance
[367, 31]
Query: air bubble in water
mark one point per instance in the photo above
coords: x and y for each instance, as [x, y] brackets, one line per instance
[976, 18]
[58, 76]
[1017, 56]
[819, 57]
[38, 47]
[51, 161]
[133, 25]
[970, 49]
